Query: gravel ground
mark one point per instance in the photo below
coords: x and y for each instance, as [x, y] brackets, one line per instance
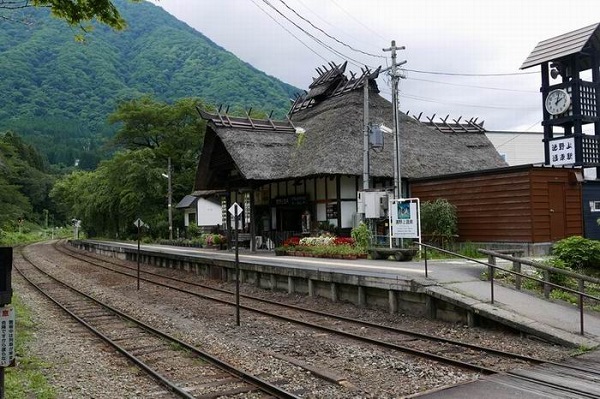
[80, 367]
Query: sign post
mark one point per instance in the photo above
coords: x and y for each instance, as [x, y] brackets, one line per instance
[138, 223]
[7, 315]
[236, 210]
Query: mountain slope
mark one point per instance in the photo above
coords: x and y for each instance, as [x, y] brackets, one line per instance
[58, 92]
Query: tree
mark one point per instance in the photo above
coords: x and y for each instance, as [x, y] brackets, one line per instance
[74, 12]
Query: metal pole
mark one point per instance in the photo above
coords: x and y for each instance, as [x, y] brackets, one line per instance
[395, 106]
[170, 189]
[138, 256]
[492, 272]
[425, 261]
[237, 275]
[366, 135]
[581, 314]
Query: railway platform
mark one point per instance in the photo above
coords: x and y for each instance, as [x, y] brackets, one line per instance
[453, 281]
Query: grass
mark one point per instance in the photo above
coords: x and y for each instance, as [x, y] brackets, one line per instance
[27, 379]
[35, 234]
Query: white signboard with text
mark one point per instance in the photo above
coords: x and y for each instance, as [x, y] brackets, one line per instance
[562, 151]
[405, 218]
[7, 335]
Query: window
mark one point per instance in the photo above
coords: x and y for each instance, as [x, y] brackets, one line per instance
[595, 206]
[192, 218]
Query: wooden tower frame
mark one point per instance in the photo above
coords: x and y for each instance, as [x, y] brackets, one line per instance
[565, 57]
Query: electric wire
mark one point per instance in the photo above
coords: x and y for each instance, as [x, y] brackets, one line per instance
[473, 86]
[356, 20]
[471, 74]
[319, 41]
[328, 35]
[288, 31]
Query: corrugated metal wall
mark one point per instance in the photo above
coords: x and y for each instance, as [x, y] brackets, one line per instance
[510, 205]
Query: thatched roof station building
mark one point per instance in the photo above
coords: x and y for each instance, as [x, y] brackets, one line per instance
[312, 163]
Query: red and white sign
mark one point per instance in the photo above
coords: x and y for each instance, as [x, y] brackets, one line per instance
[7, 335]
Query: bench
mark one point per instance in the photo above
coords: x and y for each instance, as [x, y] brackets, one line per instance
[399, 254]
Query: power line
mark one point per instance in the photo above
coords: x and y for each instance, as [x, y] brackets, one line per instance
[355, 62]
[327, 34]
[288, 31]
[425, 99]
[357, 20]
[474, 86]
[471, 74]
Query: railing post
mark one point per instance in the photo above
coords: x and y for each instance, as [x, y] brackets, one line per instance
[517, 268]
[547, 287]
[491, 261]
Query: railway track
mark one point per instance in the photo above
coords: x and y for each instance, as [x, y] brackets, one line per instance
[483, 360]
[185, 371]
[465, 355]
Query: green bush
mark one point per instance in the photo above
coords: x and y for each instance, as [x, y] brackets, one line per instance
[439, 222]
[558, 278]
[578, 252]
[362, 235]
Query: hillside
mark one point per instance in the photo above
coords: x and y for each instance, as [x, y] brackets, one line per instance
[57, 92]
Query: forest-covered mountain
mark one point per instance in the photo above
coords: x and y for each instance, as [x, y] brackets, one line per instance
[57, 92]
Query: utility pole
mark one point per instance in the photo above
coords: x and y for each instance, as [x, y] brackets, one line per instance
[395, 74]
[366, 134]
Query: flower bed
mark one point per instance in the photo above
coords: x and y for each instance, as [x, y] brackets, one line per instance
[322, 247]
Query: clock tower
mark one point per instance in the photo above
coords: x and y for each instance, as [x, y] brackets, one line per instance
[569, 101]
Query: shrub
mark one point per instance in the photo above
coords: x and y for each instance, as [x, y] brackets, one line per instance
[577, 252]
[557, 278]
[362, 235]
[439, 221]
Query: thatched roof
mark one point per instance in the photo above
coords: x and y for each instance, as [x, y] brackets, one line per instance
[333, 144]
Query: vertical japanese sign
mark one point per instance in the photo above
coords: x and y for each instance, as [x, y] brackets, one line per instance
[404, 218]
[7, 335]
[562, 151]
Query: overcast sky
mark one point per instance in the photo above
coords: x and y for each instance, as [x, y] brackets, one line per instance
[446, 37]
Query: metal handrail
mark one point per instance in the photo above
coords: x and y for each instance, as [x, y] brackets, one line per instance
[492, 268]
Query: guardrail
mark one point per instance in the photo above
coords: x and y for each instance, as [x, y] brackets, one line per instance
[517, 262]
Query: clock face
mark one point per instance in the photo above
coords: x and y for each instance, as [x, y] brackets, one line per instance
[558, 101]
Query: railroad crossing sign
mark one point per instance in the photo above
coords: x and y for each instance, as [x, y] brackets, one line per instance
[236, 209]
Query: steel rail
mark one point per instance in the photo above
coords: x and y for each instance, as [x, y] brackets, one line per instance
[248, 378]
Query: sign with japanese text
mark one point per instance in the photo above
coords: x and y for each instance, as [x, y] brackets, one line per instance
[7, 335]
[562, 151]
[404, 218]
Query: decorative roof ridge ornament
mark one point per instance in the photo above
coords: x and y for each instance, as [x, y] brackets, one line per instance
[247, 123]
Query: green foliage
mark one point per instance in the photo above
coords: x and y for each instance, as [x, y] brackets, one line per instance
[193, 231]
[555, 277]
[28, 379]
[362, 235]
[439, 222]
[578, 252]
[57, 93]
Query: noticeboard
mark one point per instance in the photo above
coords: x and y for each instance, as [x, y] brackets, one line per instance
[405, 218]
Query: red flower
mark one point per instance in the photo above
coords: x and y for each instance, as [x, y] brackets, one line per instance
[344, 241]
[292, 242]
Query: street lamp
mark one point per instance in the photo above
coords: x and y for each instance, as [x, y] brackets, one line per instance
[168, 176]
